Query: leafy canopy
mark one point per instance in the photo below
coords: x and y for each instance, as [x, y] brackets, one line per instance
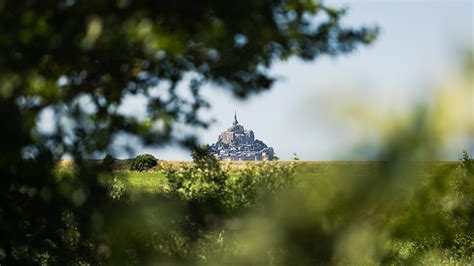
[143, 162]
[76, 60]
[61, 54]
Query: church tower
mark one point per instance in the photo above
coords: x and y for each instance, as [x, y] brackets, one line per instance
[235, 119]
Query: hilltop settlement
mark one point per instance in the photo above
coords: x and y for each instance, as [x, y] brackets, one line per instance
[238, 144]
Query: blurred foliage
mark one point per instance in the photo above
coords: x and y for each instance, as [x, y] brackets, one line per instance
[76, 61]
[117, 189]
[391, 214]
[402, 209]
[143, 162]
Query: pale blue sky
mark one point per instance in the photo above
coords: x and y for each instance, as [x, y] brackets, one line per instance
[419, 42]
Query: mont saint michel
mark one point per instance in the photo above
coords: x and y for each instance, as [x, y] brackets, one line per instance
[238, 144]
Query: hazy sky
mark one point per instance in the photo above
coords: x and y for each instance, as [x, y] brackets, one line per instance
[419, 42]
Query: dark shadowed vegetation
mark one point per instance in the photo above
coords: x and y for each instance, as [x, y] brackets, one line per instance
[143, 162]
[77, 60]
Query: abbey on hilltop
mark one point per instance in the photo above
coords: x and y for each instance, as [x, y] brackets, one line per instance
[238, 144]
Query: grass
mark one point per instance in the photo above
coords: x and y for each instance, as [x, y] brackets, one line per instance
[148, 182]
[154, 181]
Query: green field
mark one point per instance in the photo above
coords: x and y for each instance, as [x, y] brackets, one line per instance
[154, 181]
[149, 182]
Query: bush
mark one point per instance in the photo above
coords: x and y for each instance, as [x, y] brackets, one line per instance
[143, 162]
[207, 181]
[467, 162]
[116, 189]
[108, 162]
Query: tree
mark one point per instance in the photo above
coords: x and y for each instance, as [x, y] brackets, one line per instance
[108, 162]
[59, 56]
[143, 162]
[295, 156]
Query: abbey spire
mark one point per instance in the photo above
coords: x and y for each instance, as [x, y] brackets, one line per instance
[235, 119]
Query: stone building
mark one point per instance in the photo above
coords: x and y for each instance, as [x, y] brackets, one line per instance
[238, 144]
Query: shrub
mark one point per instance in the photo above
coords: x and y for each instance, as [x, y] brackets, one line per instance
[108, 162]
[207, 181]
[467, 162]
[200, 181]
[295, 156]
[116, 189]
[143, 162]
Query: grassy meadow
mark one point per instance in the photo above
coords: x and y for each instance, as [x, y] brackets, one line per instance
[155, 181]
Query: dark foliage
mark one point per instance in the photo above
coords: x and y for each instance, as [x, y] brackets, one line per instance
[61, 56]
[143, 162]
[259, 145]
[108, 162]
